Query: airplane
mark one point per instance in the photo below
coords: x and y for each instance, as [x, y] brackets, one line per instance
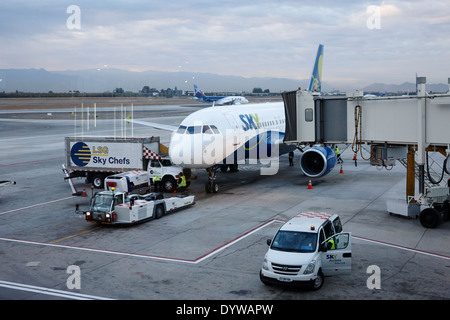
[223, 137]
[218, 100]
[371, 95]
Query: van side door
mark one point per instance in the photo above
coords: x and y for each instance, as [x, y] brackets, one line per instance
[338, 258]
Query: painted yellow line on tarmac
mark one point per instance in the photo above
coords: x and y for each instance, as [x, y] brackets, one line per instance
[76, 234]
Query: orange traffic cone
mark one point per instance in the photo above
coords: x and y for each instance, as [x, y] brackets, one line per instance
[342, 170]
[309, 184]
[84, 192]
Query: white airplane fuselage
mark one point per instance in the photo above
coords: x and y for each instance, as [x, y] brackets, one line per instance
[208, 136]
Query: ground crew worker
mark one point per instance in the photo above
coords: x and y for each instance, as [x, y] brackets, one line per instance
[330, 244]
[157, 182]
[338, 155]
[291, 159]
[182, 182]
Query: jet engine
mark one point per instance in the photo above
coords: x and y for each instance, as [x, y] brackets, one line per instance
[317, 161]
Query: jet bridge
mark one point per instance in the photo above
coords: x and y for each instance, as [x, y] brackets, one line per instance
[403, 128]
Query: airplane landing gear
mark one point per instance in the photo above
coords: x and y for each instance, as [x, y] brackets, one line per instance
[211, 185]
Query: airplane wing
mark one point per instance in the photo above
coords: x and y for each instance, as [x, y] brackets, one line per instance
[159, 126]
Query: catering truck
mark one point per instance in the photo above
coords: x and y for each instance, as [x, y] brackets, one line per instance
[96, 158]
[305, 249]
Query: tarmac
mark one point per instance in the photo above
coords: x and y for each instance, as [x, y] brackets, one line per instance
[210, 251]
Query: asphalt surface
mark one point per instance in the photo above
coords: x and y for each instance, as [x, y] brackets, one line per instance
[211, 251]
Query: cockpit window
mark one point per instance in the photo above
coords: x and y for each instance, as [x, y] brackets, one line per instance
[214, 129]
[191, 130]
[206, 129]
[181, 129]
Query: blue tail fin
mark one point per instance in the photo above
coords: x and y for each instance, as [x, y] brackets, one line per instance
[316, 77]
[198, 92]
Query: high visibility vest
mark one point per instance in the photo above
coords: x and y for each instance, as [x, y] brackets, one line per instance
[182, 182]
[156, 179]
[330, 244]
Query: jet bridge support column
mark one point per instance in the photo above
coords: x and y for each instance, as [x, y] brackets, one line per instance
[421, 138]
[411, 173]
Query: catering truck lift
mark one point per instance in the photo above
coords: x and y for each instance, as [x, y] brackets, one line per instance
[115, 208]
[403, 128]
[96, 158]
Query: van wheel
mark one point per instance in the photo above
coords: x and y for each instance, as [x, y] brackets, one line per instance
[159, 211]
[318, 282]
[263, 280]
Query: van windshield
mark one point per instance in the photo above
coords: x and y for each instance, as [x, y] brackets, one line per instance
[294, 241]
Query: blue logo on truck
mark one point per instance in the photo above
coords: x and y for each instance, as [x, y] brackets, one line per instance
[80, 154]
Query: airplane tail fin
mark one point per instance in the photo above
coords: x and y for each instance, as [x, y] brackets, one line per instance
[198, 92]
[316, 77]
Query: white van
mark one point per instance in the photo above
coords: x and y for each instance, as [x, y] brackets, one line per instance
[305, 249]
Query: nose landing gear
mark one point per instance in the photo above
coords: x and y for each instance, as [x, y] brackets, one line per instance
[211, 185]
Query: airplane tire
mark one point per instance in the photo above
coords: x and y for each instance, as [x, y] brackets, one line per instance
[212, 187]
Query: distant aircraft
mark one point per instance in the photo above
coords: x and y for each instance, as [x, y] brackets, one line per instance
[217, 100]
[222, 137]
[369, 95]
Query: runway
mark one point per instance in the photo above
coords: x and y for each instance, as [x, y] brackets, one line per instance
[212, 250]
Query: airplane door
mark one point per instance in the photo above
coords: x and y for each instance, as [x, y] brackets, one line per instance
[236, 139]
[338, 258]
[232, 121]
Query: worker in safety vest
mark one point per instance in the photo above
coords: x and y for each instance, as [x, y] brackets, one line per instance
[338, 155]
[157, 182]
[330, 244]
[182, 182]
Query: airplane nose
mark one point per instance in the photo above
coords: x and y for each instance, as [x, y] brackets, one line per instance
[176, 151]
[186, 150]
[194, 150]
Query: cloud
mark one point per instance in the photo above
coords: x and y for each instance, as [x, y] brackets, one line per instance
[260, 38]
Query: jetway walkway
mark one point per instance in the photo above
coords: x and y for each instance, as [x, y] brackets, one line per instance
[403, 128]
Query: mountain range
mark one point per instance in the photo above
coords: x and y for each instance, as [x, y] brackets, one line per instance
[102, 80]
[108, 79]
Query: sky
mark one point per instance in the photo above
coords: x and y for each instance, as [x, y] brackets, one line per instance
[365, 42]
